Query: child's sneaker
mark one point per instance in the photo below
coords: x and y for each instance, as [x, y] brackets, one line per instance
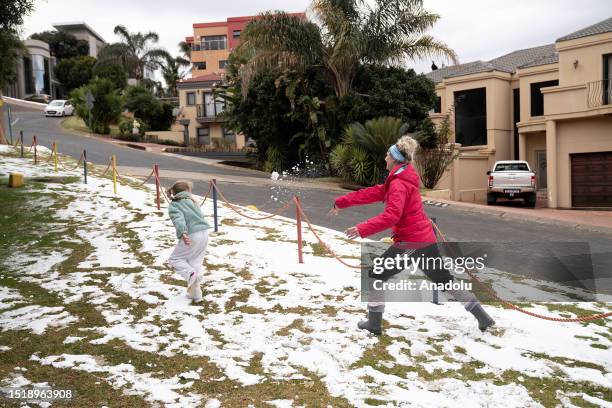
[192, 282]
[197, 294]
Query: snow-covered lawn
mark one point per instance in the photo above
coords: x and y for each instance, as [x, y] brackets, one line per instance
[87, 302]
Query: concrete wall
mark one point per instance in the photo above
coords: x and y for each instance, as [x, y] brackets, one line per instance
[588, 52]
[175, 136]
[530, 76]
[578, 136]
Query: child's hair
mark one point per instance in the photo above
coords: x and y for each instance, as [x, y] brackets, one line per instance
[178, 187]
[407, 146]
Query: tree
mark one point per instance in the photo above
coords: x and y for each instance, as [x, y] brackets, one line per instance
[171, 71]
[360, 157]
[63, 44]
[75, 72]
[12, 13]
[135, 52]
[155, 113]
[113, 72]
[107, 106]
[349, 32]
[386, 91]
[11, 48]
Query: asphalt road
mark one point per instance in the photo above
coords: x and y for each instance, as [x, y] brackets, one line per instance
[457, 224]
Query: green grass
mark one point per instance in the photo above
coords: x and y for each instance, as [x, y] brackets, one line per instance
[77, 124]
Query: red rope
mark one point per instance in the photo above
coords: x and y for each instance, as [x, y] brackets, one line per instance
[236, 210]
[527, 312]
[72, 168]
[323, 243]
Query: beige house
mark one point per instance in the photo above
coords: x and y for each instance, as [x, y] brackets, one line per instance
[549, 105]
[199, 114]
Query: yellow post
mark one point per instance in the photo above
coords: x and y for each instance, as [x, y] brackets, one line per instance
[114, 160]
[15, 180]
[55, 154]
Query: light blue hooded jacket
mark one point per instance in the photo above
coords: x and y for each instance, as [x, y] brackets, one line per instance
[186, 215]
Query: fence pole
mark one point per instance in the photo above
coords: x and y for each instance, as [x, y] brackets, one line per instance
[35, 157]
[214, 193]
[298, 221]
[85, 165]
[435, 299]
[55, 154]
[21, 136]
[10, 124]
[114, 164]
[157, 186]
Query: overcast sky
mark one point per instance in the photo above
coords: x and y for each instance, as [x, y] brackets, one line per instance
[475, 29]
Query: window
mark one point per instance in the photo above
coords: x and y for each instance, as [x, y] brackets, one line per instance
[27, 74]
[222, 64]
[471, 117]
[199, 65]
[191, 98]
[537, 99]
[438, 105]
[236, 33]
[607, 79]
[203, 136]
[209, 104]
[214, 42]
[511, 167]
[516, 103]
[229, 135]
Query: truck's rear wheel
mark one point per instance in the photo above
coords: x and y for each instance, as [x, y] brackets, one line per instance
[530, 200]
[491, 199]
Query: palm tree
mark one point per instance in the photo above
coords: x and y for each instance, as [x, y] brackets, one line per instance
[185, 49]
[171, 71]
[135, 52]
[346, 33]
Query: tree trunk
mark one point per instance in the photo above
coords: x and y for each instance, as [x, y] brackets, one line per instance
[2, 134]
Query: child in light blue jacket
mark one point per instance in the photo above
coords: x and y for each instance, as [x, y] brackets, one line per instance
[192, 232]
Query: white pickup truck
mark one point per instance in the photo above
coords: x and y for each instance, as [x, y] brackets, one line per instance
[511, 179]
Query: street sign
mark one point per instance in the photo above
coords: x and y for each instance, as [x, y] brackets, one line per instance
[89, 100]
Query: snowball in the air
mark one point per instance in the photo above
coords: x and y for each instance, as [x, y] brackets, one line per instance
[274, 176]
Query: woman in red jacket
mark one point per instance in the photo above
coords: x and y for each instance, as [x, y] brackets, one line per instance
[411, 227]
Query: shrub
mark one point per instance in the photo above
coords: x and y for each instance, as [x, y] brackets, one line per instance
[436, 152]
[126, 130]
[107, 107]
[156, 114]
[361, 155]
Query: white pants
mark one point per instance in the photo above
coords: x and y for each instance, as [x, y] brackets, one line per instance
[189, 258]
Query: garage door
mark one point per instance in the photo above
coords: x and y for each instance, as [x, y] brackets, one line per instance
[592, 179]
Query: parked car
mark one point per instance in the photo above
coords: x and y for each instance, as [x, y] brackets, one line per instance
[41, 98]
[59, 107]
[511, 179]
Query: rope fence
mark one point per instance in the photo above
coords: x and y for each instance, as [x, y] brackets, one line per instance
[300, 213]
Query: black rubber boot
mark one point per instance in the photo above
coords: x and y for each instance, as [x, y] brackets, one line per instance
[484, 320]
[373, 324]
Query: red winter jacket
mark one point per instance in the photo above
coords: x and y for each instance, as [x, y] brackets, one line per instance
[403, 213]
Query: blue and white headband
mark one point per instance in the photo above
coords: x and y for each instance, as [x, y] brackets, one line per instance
[396, 154]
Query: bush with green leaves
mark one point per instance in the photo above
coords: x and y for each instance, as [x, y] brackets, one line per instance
[436, 152]
[126, 129]
[108, 104]
[156, 114]
[360, 158]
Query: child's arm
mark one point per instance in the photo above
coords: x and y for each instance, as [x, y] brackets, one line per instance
[178, 219]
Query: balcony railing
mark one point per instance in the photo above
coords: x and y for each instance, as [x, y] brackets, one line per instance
[599, 93]
[203, 116]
